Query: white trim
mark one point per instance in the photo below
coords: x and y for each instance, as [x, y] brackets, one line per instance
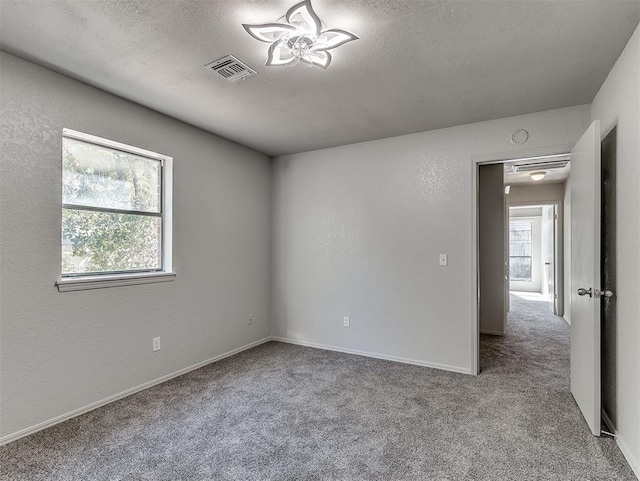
[537, 153]
[117, 280]
[167, 215]
[112, 144]
[567, 320]
[67, 284]
[474, 273]
[628, 454]
[415, 362]
[90, 407]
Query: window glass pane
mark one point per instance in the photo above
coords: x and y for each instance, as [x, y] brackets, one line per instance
[108, 242]
[98, 176]
[520, 251]
[520, 269]
[520, 239]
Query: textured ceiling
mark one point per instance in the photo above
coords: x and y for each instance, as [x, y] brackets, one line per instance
[419, 64]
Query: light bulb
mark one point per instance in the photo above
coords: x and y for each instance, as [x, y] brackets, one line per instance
[538, 175]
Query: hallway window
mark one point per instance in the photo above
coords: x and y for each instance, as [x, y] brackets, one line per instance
[520, 251]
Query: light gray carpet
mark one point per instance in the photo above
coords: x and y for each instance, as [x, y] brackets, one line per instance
[283, 412]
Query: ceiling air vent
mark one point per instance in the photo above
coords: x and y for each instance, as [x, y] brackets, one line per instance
[558, 164]
[231, 68]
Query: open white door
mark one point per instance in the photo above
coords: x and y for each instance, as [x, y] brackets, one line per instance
[585, 275]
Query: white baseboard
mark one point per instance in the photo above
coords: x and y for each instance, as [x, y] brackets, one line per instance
[626, 451]
[633, 462]
[77, 412]
[372, 354]
[567, 319]
[628, 454]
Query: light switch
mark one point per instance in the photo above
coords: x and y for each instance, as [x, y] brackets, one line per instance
[444, 259]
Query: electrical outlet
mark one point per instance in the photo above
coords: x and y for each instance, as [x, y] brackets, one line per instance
[444, 259]
[346, 322]
[250, 322]
[156, 343]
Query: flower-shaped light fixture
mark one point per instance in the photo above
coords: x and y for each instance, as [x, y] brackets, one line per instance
[299, 37]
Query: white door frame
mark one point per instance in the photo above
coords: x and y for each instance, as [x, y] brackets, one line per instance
[474, 164]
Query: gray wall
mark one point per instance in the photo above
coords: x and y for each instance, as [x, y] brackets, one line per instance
[618, 103]
[491, 249]
[63, 351]
[358, 230]
[535, 194]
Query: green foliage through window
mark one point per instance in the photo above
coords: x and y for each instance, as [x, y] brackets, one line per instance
[112, 210]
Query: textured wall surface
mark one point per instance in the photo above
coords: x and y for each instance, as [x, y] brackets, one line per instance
[63, 351]
[618, 103]
[358, 230]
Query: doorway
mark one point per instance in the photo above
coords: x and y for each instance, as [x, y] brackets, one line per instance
[511, 182]
[591, 266]
[535, 247]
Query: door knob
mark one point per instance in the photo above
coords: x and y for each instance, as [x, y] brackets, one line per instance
[585, 292]
[606, 293]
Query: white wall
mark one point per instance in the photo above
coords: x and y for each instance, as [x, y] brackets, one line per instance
[63, 351]
[358, 230]
[525, 212]
[618, 103]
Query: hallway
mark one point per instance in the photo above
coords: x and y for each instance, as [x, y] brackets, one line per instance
[530, 368]
[535, 337]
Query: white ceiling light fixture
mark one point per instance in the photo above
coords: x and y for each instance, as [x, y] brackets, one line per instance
[299, 37]
[538, 175]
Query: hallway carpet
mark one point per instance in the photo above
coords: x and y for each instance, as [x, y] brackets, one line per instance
[285, 412]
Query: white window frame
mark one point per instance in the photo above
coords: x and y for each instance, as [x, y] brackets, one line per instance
[530, 223]
[99, 281]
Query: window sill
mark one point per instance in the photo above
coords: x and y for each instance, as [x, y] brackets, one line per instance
[67, 284]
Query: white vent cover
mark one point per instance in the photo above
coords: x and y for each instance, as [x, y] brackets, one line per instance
[231, 68]
[558, 164]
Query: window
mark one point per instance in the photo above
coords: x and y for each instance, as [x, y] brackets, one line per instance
[115, 211]
[520, 251]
